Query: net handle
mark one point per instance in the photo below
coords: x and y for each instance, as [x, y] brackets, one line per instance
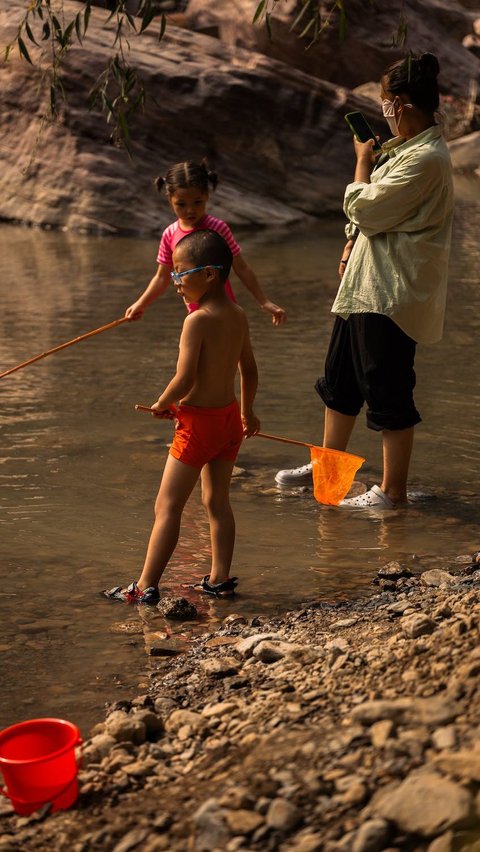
[283, 440]
[64, 346]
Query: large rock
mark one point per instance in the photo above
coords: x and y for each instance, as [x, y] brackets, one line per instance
[425, 804]
[437, 710]
[276, 134]
[368, 45]
[271, 131]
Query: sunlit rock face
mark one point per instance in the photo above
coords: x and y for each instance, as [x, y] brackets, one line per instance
[275, 134]
[368, 44]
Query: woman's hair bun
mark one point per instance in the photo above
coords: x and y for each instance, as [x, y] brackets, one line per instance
[429, 64]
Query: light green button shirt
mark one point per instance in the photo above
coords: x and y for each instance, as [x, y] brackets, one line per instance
[398, 265]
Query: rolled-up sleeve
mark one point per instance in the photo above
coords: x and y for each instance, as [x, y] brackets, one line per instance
[391, 201]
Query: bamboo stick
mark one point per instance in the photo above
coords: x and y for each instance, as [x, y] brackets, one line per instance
[283, 440]
[64, 346]
[257, 434]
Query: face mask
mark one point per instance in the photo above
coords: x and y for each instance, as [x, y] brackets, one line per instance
[388, 110]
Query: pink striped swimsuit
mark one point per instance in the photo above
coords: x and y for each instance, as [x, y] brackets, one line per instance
[174, 233]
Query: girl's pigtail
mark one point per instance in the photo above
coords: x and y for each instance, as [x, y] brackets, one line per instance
[211, 175]
[213, 179]
[159, 183]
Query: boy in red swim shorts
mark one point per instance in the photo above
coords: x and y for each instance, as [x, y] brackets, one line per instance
[210, 424]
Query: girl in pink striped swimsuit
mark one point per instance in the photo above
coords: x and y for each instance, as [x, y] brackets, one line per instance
[186, 185]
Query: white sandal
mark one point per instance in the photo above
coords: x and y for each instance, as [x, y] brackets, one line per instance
[374, 498]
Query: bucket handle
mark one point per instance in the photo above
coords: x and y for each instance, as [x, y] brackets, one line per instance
[79, 761]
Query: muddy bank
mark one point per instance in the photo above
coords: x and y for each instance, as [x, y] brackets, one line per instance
[349, 726]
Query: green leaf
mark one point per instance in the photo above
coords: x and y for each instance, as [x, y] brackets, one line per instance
[86, 17]
[23, 50]
[107, 105]
[259, 11]
[53, 100]
[163, 25]
[130, 83]
[78, 27]
[300, 15]
[56, 25]
[29, 33]
[147, 17]
[45, 31]
[307, 29]
[67, 36]
[116, 69]
[123, 125]
[268, 25]
[7, 51]
[118, 34]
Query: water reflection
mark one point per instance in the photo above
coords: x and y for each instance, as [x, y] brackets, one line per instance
[80, 469]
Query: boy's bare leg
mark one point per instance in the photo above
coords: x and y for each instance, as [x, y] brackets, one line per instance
[177, 484]
[337, 429]
[397, 450]
[216, 476]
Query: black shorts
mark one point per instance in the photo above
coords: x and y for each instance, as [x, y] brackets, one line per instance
[370, 359]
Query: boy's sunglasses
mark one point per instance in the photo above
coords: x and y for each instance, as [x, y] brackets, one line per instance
[177, 276]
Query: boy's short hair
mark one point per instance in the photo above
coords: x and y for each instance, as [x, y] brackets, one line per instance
[207, 248]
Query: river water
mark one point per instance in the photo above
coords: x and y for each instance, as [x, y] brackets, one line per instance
[80, 468]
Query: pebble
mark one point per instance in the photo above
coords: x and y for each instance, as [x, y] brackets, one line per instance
[245, 647]
[436, 577]
[220, 709]
[283, 815]
[417, 625]
[123, 727]
[393, 571]
[177, 608]
[444, 738]
[133, 840]
[380, 732]
[180, 718]
[220, 667]
[243, 821]
[212, 831]
[464, 765]
[371, 836]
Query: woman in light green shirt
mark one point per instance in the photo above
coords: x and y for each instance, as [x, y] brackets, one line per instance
[393, 278]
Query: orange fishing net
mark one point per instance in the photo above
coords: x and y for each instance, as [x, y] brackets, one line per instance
[333, 474]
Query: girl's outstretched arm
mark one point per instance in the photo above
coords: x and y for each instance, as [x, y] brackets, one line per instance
[250, 281]
[157, 286]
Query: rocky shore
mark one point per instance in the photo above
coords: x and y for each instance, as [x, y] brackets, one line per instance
[343, 726]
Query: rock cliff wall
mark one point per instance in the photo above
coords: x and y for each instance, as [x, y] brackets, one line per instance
[275, 133]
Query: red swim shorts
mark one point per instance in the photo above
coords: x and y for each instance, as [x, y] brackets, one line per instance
[204, 434]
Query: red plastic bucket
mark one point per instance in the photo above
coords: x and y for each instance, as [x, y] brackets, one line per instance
[39, 765]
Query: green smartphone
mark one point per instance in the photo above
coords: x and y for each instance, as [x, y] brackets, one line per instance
[361, 129]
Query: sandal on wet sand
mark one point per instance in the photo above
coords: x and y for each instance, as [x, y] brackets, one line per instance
[372, 499]
[132, 594]
[218, 590]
